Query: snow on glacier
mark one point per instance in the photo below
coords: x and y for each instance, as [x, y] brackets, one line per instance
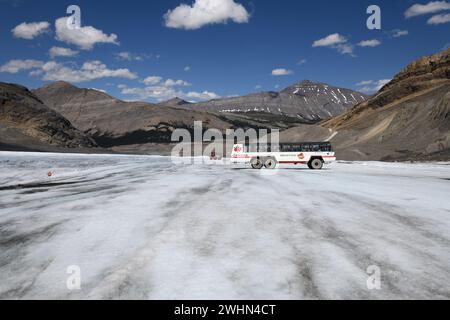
[144, 228]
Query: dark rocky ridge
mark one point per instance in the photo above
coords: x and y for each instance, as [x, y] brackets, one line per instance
[26, 123]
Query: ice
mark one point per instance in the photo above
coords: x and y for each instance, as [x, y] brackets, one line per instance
[144, 228]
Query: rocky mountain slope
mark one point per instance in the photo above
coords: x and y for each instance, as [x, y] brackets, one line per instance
[27, 124]
[305, 100]
[408, 119]
[114, 122]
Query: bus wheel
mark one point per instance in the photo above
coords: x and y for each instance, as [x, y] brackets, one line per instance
[270, 163]
[316, 164]
[256, 163]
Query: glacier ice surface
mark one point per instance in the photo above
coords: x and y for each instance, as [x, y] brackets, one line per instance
[142, 227]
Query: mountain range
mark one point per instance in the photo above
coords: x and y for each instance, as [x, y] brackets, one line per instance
[113, 122]
[306, 100]
[408, 119]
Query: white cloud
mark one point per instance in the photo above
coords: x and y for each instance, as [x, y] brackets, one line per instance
[330, 40]
[382, 83]
[62, 52]
[90, 70]
[99, 90]
[398, 33]
[187, 68]
[85, 37]
[124, 56]
[365, 83]
[258, 87]
[161, 90]
[54, 71]
[160, 93]
[205, 12]
[281, 72]
[128, 56]
[15, 66]
[370, 86]
[301, 62]
[205, 95]
[345, 48]
[439, 19]
[30, 30]
[335, 41]
[369, 43]
[430, 7]
[152, 80]
[174, 83]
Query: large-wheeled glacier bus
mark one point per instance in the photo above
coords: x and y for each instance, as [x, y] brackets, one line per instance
[313, 154]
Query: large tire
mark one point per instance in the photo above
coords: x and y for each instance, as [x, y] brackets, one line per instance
[256, 163]
[316, 164]
[270, 163]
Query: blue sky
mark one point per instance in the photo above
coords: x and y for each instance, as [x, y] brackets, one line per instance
[139, 50]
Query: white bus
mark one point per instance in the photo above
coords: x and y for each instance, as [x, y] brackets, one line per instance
[313, 154]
